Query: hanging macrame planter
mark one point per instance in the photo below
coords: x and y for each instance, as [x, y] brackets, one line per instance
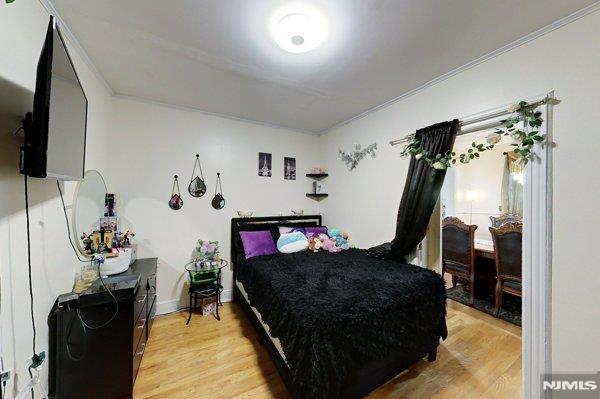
[175, 202]
[197, 187]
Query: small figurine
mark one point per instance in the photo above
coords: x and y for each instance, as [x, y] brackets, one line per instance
[87, 243]
[126, 237]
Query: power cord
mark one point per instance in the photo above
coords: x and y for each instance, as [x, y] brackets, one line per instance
[89, 327]
[84, 325]
[68, 344]
[35, 355]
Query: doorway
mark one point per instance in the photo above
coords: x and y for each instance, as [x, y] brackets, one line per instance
[536, 241]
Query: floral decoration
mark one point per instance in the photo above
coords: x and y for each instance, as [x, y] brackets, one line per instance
[521, 112]
[207, 250]
[352, 159]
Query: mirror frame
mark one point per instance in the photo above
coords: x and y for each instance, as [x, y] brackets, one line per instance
[74, 209]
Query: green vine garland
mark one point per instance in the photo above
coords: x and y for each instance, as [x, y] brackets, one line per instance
[522, 112]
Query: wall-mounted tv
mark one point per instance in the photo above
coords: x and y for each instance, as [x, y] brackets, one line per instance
[55, 132]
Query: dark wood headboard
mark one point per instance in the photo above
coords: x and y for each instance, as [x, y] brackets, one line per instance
[238, 224]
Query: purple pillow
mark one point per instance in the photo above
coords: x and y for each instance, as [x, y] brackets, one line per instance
[257, 243]
[315, 231]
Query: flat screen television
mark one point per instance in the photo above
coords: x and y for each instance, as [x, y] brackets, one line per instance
[55, 132]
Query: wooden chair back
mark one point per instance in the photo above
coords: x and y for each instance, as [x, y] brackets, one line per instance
[508, 243]
[458, 242]
[499, 221]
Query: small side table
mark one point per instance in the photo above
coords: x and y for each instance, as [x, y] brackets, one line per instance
[205, 282]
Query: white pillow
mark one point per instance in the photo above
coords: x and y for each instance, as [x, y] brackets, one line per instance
[292, 242]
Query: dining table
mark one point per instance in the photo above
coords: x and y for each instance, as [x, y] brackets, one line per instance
[484, 250]
[485, 266]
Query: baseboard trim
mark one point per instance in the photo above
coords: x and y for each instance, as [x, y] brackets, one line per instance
[173, 305]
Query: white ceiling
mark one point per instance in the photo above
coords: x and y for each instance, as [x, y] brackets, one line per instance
[217, 56]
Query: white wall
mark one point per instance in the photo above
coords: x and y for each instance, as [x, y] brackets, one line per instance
[138, 147]
[566, 60]
[22, 31]
[152, 143]
[485, 179]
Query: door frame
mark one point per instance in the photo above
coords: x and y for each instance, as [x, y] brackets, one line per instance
[537, 258]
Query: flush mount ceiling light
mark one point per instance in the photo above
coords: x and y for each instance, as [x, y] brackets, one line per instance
[298, 29]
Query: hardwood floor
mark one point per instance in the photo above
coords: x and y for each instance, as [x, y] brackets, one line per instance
[210, 359]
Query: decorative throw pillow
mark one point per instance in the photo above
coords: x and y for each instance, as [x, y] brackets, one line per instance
[291, 229]
[257, 243]
[292, 242]
[315, 231]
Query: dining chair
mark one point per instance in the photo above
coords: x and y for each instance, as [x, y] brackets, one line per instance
[499, 221]
[509, 260]
[458, 252]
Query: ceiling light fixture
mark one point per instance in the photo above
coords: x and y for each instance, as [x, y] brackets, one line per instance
[298, 29]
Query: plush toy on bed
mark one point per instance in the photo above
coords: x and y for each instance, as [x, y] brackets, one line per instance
[292, 242]
[340, 237]
[314, 244]
[330, 246]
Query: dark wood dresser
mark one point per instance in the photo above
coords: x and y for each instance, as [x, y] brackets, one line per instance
[102, 362]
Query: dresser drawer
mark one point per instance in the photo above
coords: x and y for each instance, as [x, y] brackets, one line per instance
[151, 315]
[139, 329]
[137, 356]
[139, 302]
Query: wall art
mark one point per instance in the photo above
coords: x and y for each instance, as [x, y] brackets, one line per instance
[352, 158]
[265, 166]
[289, 168]
[175, 202]
[197, 187]
[218, 202]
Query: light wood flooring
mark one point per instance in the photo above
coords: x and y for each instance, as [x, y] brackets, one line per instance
[210, 359]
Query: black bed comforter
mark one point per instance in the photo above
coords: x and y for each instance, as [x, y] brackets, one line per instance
[335, 312]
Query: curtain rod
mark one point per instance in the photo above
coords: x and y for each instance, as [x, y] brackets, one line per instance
[479, 118]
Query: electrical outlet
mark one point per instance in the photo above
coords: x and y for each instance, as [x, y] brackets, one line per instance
[4, 375]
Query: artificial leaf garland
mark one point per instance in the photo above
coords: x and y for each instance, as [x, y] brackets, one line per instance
[522, 112]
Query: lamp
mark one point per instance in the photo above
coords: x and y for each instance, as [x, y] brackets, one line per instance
[298, 28]
[471, 197]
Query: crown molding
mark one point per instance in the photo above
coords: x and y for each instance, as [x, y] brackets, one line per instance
[47, 4]
[209, 113]
[517, 43]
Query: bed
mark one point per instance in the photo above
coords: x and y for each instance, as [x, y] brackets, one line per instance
[337, 325]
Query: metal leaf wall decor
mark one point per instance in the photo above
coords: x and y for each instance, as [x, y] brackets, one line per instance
[352, 158]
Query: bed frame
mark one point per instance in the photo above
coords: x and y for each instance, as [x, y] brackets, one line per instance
[359, 383]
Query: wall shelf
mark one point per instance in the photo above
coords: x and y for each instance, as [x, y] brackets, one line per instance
[313, 195]
[317, 175]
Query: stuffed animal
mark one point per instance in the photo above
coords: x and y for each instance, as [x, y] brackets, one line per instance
[334, 232]
[314, 244]
[330, 245]
[341, 238]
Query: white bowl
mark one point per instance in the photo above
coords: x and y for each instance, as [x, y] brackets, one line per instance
[117, 264]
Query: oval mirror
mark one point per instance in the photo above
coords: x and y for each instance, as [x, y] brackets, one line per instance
[88, 205]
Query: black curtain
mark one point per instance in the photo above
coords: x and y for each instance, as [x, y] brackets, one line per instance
[421, 191]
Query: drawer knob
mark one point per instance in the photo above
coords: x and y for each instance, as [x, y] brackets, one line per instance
[143, 349]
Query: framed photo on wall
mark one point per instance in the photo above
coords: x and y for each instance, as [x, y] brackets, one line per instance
[289, 168]
[265, 165]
